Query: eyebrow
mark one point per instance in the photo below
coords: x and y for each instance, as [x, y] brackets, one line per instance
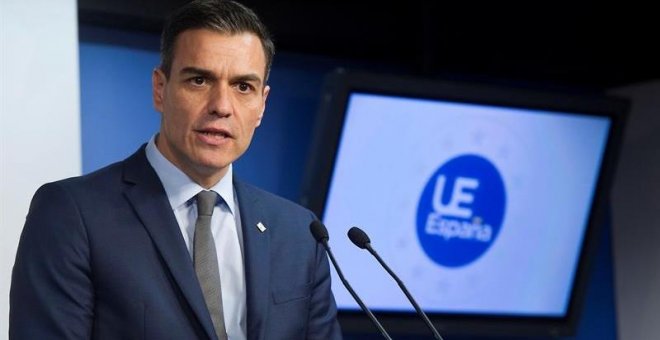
[247, 78]
[197, 71]
[250, 77]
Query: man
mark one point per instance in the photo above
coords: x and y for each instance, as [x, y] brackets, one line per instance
[167, 244]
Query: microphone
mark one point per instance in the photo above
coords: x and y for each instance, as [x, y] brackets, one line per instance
[321, 235]
[360, 239]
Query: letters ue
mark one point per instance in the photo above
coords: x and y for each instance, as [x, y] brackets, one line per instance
[459, 197]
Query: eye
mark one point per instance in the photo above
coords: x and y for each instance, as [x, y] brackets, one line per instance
[199, 81]
[244, 87]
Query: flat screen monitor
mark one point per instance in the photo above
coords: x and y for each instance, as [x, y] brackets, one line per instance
[485, 200]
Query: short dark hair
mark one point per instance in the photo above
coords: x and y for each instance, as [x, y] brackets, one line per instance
[224, 16]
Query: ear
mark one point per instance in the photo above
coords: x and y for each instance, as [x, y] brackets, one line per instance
[263, 105]
[158, 81]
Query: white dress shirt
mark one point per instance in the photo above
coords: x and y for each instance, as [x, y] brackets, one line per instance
[225, 226]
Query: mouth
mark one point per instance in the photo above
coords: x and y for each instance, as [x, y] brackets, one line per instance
[213, 136]
[212, 132]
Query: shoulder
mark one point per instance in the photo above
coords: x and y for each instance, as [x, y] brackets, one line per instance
[103, 181]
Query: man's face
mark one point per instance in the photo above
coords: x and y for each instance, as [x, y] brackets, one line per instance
[212, 101]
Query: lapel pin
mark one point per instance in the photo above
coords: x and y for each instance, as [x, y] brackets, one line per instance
[261, 227]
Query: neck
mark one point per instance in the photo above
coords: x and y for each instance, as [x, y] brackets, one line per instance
[205, 177]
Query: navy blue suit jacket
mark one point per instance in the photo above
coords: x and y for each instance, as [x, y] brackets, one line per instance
[101, 256]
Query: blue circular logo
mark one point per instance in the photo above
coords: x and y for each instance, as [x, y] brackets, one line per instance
[461, 210]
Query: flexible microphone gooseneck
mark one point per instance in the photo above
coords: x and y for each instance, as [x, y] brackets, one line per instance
[361, 239]
[321, 235]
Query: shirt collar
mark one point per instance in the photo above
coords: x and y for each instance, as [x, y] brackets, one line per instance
[180, 188]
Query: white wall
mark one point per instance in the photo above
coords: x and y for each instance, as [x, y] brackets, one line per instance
[39, 113]
[636, 217]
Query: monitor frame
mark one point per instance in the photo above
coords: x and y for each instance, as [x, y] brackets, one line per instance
[327, 134]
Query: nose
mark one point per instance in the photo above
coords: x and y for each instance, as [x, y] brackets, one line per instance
[220, 101]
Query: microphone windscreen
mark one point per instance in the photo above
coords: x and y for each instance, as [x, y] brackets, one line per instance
[319, 231]
[358, 237]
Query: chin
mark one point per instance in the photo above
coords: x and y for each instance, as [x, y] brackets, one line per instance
[213, 166]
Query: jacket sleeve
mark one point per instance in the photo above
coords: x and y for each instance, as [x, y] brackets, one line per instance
[51, 293]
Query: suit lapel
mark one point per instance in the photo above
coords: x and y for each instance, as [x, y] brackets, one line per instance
[256, 245]
[152, 207]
